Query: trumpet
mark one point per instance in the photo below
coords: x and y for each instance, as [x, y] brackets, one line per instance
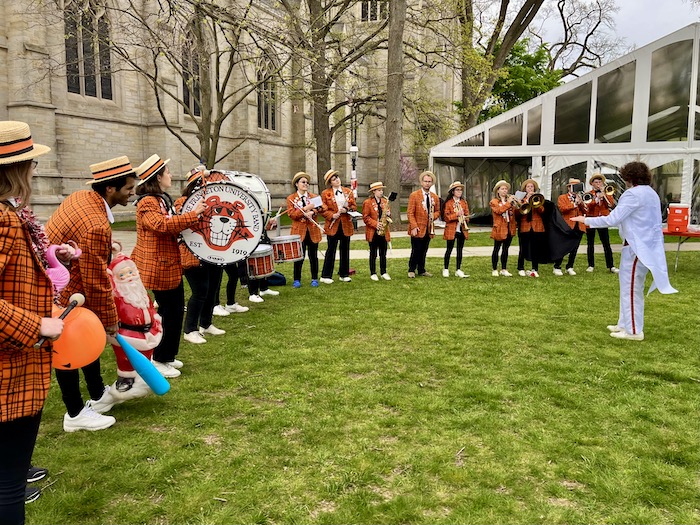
[514, 201]
[461, 219]
[535, 202]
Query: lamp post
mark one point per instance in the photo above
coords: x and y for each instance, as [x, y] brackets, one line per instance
[353, 170]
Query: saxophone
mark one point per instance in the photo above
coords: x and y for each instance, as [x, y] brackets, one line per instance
[461, 219]
[382, 228]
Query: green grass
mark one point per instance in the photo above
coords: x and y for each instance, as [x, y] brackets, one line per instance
[481, 400]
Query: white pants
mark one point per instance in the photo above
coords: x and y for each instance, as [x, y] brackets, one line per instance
[632, 275]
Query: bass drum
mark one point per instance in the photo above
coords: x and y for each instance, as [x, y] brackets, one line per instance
[254, 184]
[231, 227]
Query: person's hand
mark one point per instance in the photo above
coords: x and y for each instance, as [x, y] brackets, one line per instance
[51, 327]
[578, 218]
[112, 330]
[199, 208]
[67, 252]
[415, 231]
[336, 215]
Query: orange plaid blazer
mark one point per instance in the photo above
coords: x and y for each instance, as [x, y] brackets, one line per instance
[300, 225]
[501, 226]
[370, 216]
[26, 295]
[330, 206]
[418, 215]
[450, 217]
[156, 253]
[600, 209]
[82, 218]
[535, 223]
[187, 258]
[568, 209]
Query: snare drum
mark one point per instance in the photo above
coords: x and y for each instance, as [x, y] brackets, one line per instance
[254, 184]
[260, 263]
[287, 248]
[230, 228]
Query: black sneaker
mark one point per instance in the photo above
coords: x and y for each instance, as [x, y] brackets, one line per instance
[31, 494]
[36, 474]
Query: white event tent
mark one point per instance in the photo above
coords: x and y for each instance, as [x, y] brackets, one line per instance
[642, 106]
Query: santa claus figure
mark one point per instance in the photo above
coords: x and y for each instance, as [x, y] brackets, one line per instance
[139, 324]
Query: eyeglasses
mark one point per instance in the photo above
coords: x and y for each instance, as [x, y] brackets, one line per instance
[303, 182]
[35, 163]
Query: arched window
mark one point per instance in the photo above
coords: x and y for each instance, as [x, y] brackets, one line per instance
[191, 84]
[88, 59]
[267, 97]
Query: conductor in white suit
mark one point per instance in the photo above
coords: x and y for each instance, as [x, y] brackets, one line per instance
[638, 216]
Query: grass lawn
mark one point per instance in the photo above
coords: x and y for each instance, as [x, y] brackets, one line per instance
[481, 400]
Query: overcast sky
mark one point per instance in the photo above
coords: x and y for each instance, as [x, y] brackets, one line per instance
[641, 22]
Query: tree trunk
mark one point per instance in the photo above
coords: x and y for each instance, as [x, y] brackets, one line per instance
[394, 104]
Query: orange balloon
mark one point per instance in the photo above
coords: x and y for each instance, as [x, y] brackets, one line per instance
[82, 340]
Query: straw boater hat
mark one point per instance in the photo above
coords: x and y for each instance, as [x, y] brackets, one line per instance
[16, 143]
[498, 185]
[529, 181]
[426, 173]
[150, 167]
[454, 185]
[573, 181]
[596, 176]
[111, 169]
[376, 186]
[328, 175]
[299, 175]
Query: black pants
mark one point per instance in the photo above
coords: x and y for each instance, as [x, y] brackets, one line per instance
[497, 245]
[235, 272]
[17, 440]
[530, 242]
[257, 285]
[171, 307]
[419, 250]
[604, 240]
[329, 260]
[204, 281]
[459, 237]
[69, 384]
[312, 247]
[378, 245]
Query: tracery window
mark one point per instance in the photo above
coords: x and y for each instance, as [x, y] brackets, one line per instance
[88, 56]
[191, 85]
[267, 98]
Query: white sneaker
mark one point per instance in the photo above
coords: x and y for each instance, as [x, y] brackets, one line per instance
[624, 335]
[236, 308]
[494, 273]
[557, 271]
[176, 363]
[105, 403]
[460, 273]
[326, 280]
[446, 273]
[346, 279]
[533, 273]
[614, 328]
[570, 271]
[220, 311]
[256, 299]
[614, 270]
[166, 370]
[194, 338]
[87, 419]
[374, 277]
[386, 277]
[522, 273]
[211, 330]
[506, 273]
[268, 292]
[590, 269]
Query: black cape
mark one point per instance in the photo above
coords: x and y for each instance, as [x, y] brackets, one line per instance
[558, 240]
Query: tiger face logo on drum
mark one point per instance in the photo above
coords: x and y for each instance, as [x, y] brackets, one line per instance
[224, 224]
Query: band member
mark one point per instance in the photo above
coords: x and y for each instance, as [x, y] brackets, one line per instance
[204, 279]
[456, 216]
[376, 214]
[531, 234]
[571, 205]
[600, 206]
[638, 215]
[337, 202]
[303, 212]
[157, 255]
[423, 210]
[503, 230]
[26, 296]
[257, 287]
[85, 217]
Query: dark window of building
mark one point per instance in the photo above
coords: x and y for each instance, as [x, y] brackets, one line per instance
[669, 92]
[572, 117]
[373, 10]
[267, 98]
[191, 92]
[88, 60]
[614, 104]
[534, 126]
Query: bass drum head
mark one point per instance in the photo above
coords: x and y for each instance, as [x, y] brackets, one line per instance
[254, 184]
[230, 228]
